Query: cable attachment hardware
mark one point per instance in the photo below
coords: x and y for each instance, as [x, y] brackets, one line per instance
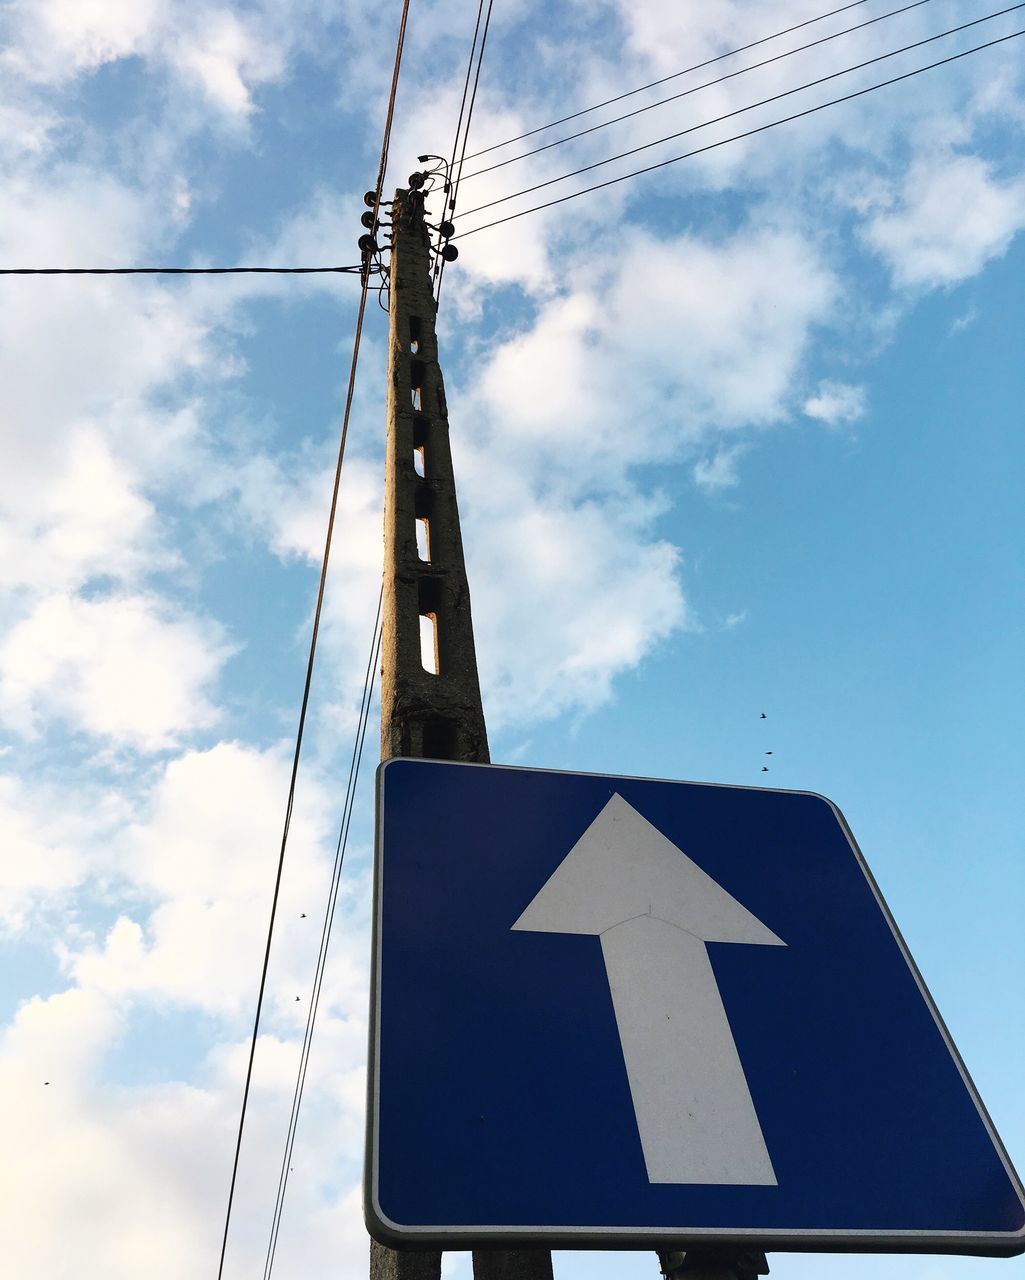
[713, 1264]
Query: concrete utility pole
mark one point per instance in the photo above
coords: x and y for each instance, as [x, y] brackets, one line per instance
[435, 713]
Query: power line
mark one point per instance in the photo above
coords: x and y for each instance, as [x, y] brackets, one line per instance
[176, 271]
[776, 97]
[325, 936]
[466, 134]
[707, 84]
[325, 561]
[665, 79]
[712, 146]
[469, 115]
[466, 89]
[440, 263]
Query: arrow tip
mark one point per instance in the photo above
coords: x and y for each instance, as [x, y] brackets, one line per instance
[623, 867]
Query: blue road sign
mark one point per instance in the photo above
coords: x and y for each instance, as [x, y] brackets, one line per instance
[618, 1011]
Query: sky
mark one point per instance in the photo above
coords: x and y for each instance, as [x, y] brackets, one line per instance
[742, 435]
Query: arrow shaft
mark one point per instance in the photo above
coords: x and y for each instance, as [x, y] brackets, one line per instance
[695, 1115]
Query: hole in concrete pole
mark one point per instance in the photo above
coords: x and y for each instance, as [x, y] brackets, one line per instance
[423, 540]
[414, 333]
[429, 642]
[417, 371]
[421, 427]
[428, 590]
[423, 503]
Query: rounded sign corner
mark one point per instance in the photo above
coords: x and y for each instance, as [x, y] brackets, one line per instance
[382, 1229]
[1014, 1245]
[385, 765]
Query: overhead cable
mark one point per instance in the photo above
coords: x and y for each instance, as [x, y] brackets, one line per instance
[707, 84]
[466, 89]
[439, 264]
[176, 271]
[776, 97]
[697, 66]
[457, 178]
[737, 137]
[325, 934]
[325, 561]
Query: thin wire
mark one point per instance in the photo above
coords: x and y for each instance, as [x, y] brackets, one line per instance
[665, 79]
[466, 87]
[350, 390]
[295, 764]
[847, 97]
[473, 100]
[707, 84]
[459, 121]
[466, 134]
[174, 271]
[325, 935]
[776, 97]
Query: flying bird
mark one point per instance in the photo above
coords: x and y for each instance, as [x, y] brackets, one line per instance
[761, 715]
[297, 999]
[765, 768]
[302, 915]
[768, 753]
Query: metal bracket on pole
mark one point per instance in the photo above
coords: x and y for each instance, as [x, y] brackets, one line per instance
[713, 1264]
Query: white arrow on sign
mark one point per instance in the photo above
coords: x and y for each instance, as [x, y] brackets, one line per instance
[654, 910]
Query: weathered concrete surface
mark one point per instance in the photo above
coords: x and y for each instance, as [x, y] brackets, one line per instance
[386, 1264]
[422, 714]
[512, 1264]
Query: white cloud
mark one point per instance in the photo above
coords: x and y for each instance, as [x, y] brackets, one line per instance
[60, 38]
[89, 520]
[105, 1169]
[228, 56]
[129, 670]
[205, 46]
[205, 856]
[102, 1172]
[634, 366]
[951, 216]
[696, 337]
[836, 403]
[719, 471]
[52, 840]
[965, 320]
[565, 598]
[104, 1166]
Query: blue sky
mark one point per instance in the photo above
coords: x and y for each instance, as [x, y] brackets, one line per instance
[744, 435]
